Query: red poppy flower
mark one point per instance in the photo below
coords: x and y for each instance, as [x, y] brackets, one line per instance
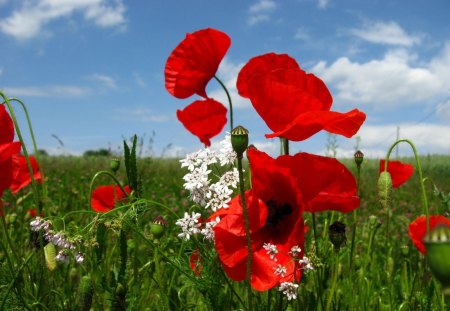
[104, 198]
[21, 173]
[7, 151]
[418, 229]
[400, 172]
[195, 262]
[204, 118]
[7, 126]
[295, 105]
[282, 189]
[194, 62]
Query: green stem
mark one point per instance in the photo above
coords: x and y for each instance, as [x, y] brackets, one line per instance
[284, 146]
[419, 169]
[229, 101]
[355, 214]
[247, 231]
[333, 283]
[91, 186]
[25, 153]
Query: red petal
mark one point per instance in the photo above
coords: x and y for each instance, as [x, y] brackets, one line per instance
[195, 262]
[194, 62]
[261, 65]
[204, 118]
[7, 126]
[104, 198]
[6, 164]
[21, 173]
[418, 229]
[400, 172]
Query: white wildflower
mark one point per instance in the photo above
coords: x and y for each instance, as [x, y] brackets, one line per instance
[208, 232]
[79, 258]
[281, 271]
[306, 264]
[295, 251]
[230, 178]
[220, 196]
[39, 224]
[189, 225]
[198, 178]
[226, 153]
[62, 256]
[289, 289]
[272, 250]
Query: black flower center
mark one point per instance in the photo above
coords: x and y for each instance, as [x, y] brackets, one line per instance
[277, 212]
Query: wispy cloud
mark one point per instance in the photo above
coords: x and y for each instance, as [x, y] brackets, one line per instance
[390, 82]
[47, 91]
[302, 34]
[139, 81]
[389, 33]
[260, 11]
[323, 4]
[28, 21]
[140, 114]
[105, 80]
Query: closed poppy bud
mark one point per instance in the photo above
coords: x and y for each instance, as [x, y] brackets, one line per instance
[115, 165]
[239, 140]
[384, 189]
[336, 233]
[359, 158]
[158, 226]
[437, 243]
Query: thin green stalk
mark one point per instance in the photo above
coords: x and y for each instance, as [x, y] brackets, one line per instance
[247, 232]
[419, 169]
[36, 191]
[333, 283]
[229, 101]
[355, 215]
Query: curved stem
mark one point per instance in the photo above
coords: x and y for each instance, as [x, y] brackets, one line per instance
[112, 177]
[419, 169]
[25, 153]
[229, 101]
[247, 232]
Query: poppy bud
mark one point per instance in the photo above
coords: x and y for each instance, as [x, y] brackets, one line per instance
[384, 189]
[158, 226]
[85, 293]
[336, 233]
[114, 165]
[359, 158]
[239, 140]
[437, 243]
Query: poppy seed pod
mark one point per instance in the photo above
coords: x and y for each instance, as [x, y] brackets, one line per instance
[437, 243]
[158, 226]
[114, 165]
[359, 158]
[239, 140]
[336, 233]
[384, 189]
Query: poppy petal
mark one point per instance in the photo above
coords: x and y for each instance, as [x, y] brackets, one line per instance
[400, 172]
[418, 229]
[194, 62]
[6, 164]
[7, 126]
[104, 198]
[204, 118]
[21, 173]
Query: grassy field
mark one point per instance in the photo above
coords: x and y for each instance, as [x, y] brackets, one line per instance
[129, 266]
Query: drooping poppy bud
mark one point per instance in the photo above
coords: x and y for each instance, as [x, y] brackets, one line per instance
[384, 189]
[437, 243]
[239, 140]
[336, 233]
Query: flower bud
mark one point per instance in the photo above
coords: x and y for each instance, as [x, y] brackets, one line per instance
[158, 226]
[336, 233]
[437, 244]
[85, 293]
[359, 158]
[384, 189]
[114, 165]
[239, 140]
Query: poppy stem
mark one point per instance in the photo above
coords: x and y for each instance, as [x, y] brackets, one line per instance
[419, 169]
[229, 101]
[247, 231]
[91, 186]
[355, 216]
[284, 146]
[25, 153]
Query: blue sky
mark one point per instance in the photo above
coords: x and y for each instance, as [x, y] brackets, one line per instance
[92, 71]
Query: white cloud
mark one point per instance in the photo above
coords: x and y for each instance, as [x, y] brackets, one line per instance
[385, 83]
[271, 147]
[47, 91]
[107, 81]
[260, 11]
[28, 21]
[140, 114]
[323, 4]
[302, 34]
[389, 33]
[228, 73]
[443, 110]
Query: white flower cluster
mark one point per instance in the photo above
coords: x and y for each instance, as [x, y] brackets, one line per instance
[289, 289]
[189, 225]
[58, 239]
[271, 250]
[208, 232]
